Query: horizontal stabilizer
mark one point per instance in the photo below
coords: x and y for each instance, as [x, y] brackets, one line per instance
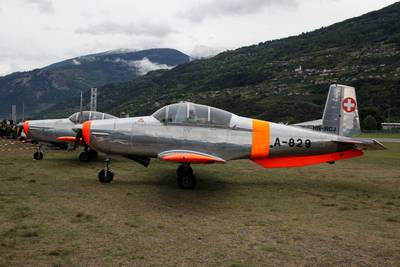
[188, 156]
[362, 143]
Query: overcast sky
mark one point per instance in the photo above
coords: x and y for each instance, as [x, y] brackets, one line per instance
[35, 33]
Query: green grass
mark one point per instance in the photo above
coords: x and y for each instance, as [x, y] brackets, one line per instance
[240, 214]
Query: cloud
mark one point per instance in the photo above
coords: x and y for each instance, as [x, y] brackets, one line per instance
[204, 51]
[141, 67]
[44, 6]
[231, 7]
[145, 65]
[75, 62]
[112, 28]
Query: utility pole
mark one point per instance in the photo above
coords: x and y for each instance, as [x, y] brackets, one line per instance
[14, 113]
[93, 99]
[81, 109]
[23, 112]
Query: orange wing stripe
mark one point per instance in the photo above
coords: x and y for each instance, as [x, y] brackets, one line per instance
[301, 161]
[70, 139]
[192, 158]
[261, 134]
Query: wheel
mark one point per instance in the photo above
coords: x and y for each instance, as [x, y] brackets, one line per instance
[184, 170]
[84, 156]
[106, 177]
[38, 155]
[93, 154]
[187, 182]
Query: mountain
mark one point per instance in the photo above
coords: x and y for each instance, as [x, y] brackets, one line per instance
[280, 80]
[42, 88]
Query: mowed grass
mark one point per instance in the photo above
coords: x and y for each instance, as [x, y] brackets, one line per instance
[55, 213]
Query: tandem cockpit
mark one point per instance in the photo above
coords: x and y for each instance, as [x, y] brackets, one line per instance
[191, 113]
[89, 115]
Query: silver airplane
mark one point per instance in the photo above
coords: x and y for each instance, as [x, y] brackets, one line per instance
[189, 133]
[58, 133]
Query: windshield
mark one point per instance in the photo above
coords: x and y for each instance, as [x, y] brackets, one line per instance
[190, 113]
[89, 115]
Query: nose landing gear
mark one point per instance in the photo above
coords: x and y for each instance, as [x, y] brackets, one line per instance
[106, 175]
[38, 155]
[186, 178]
[88, 155]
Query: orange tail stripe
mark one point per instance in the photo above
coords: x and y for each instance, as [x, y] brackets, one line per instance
[261, 134]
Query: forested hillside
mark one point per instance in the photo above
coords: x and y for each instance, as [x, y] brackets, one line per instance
[281, 80]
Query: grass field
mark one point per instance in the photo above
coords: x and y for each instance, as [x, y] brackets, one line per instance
[55, 213]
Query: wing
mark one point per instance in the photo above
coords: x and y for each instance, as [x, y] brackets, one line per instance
[189, 156]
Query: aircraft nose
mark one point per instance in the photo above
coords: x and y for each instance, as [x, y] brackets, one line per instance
[26, 127]
[86, 131]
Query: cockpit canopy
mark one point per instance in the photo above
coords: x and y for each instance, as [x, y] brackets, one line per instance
[190, 113]
[89, 115]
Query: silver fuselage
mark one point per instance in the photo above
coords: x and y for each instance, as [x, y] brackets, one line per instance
[59, 131]
[146, 136]
[48, 131]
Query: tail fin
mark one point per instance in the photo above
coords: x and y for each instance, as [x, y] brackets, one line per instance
[341, 111]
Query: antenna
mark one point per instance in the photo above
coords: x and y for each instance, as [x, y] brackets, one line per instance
[80, 109]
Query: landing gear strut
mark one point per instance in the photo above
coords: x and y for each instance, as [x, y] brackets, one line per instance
[106, 175]
[186, 178]
[38, 155]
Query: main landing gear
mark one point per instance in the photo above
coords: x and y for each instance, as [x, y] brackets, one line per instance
[38, 155]
[88, 155]
[186, 178]
[106, 175]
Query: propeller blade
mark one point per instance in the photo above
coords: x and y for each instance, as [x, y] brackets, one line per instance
[78, 139]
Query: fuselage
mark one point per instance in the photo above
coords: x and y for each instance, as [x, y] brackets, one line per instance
[59, 131]
[243, 138]
[49, 130]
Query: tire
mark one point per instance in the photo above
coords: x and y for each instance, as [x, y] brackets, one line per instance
[93, 154]
[84, 157]
[183, 171]
[187, 182]
[106, 177]
[38, 155]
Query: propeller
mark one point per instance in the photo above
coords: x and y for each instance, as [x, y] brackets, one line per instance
[79, 137]
[20, 130]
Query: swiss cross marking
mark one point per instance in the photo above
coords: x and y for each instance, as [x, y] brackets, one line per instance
[349, 104]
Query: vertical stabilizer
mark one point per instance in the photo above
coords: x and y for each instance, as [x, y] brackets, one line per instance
[341, 111]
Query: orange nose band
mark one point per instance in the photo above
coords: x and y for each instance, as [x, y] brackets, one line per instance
[86, 132]
[26, 127]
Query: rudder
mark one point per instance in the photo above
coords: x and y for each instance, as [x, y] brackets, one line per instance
[341, 111]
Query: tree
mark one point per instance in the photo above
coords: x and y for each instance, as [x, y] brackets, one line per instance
[369, 123]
